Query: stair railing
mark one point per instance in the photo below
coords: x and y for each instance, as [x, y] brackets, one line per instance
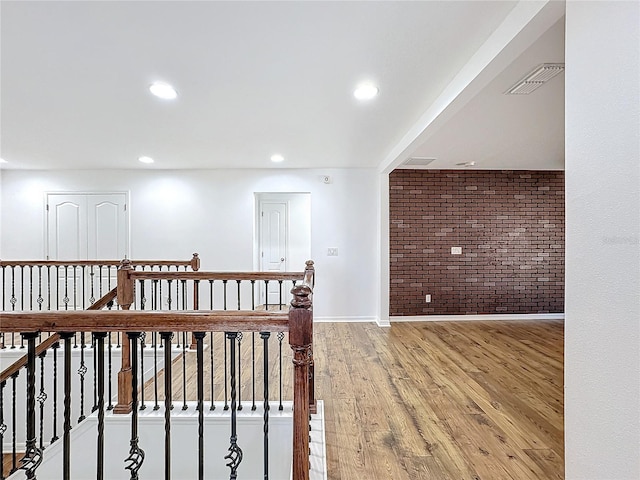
[297, 321]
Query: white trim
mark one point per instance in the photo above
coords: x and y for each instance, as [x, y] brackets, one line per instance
[344, 319]
[487, 317]
[383, 322]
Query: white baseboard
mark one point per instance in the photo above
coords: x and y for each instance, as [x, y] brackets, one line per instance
[344, 319]
[487, 317]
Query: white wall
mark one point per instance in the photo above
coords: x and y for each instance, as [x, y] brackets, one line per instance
[602, 326]
[176, 213]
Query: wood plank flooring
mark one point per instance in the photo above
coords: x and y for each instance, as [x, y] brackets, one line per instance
[454, 400]
[443, 401]
[464, 401]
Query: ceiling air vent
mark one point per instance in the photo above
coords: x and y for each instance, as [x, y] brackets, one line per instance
[536, 78]
[417, 162]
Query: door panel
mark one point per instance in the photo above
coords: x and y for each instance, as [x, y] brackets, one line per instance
[107, 224]
[67, 226]
[273, 243]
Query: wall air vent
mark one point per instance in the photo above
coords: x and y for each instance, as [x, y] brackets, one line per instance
[536, 78]
[416, 162]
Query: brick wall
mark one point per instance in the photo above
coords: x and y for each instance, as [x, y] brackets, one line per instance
[510, 225]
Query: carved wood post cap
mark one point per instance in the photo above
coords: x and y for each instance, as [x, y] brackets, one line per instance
[126, 264]
[301, 296]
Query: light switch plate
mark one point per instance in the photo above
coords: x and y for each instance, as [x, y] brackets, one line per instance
[456, 250]
[332, 252]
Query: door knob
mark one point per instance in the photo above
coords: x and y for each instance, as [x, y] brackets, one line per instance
[282, 259]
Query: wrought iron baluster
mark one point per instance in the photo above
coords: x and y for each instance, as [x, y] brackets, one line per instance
[210, 294]
[280, 292]
[84, 287]
[253, 370]
[211, 371]
[33, 455]
[92, 274]
[240, 371]
[109, 361]
[177, 293]
[200, 373]
[253, 294]
[136, 455]
[48, 287]
[169, 301]
[65, 300]
[166, 339]
[224, 289]
[94, 407]
[12, 299]
[226, 381]
[184, 370]
[155, 371]
[280, 338]
[266, 295]
[143, 345]
[40, 300]
[22, 293]
[66, 442]
[42, 397]
[98, 338]
[3, 427]
[184, 295]
[235, 452]
[143, 298]
[100, 280]
[75, 287]
[160, 291]
[30, 287]
[55, 347]
[238, 281]
[14, 424]
[82, 371]
[13, 302]
[265, 419]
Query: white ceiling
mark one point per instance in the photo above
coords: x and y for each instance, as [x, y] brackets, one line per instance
[255, 78]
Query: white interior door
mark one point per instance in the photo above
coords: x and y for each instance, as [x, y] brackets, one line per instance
[273, 243]
[67, 227]
[86, 226]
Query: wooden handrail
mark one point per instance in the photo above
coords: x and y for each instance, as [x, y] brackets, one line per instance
[144, 321]
[148, 275]
[49, 342]
[194, 263]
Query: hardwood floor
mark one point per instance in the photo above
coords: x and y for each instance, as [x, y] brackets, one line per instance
[454, 400]
[468, 400]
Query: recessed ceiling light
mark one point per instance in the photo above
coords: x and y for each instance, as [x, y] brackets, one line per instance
[145, 159]
[365, 91]
[163, 90]
[277, 158]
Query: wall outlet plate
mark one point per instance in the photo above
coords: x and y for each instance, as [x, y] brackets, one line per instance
[456, 250]
[332, 252]
[427, 298]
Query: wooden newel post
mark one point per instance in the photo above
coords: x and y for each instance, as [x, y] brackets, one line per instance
[125, 299]
[195, 262]
[301, 340]
[310, 279]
